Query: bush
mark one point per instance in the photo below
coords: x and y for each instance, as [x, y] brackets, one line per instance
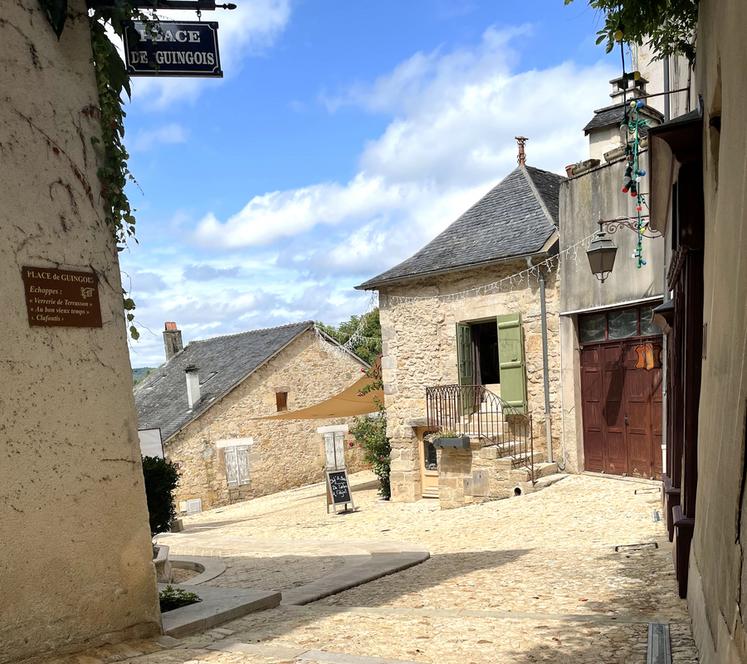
[370, 433]
[161, 477]
[171, 598]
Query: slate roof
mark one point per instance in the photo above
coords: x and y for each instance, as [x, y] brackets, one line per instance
[614, 115]
[223, 362]
[515, 218]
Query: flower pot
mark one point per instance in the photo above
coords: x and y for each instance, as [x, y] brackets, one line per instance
[458, 442]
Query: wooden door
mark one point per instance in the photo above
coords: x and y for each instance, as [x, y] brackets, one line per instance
[428, 467]
[621, 403]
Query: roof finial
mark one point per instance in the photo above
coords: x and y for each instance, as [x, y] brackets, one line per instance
[522, 158]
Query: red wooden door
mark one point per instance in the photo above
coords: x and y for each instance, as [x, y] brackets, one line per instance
[621, 401]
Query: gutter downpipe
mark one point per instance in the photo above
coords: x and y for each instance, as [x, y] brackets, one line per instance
[545, 368]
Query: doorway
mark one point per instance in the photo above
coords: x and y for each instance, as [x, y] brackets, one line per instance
[428, 465]
[621, 394]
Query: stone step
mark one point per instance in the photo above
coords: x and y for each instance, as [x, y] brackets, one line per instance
[541, 469]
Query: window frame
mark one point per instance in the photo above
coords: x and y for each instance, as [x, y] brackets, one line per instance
[606, 313]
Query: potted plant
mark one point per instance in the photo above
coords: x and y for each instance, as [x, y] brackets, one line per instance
[448, 438]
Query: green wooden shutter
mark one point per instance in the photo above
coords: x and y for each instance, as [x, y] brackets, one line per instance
[466, 365]
[511, 359]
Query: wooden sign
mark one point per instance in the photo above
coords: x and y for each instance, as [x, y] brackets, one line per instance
[338, 489]
[61, 298]
[172, 48]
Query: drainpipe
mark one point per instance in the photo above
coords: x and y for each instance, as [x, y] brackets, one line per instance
[667, 108]
[545, 368]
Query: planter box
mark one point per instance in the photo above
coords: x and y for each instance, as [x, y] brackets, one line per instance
[460, 442]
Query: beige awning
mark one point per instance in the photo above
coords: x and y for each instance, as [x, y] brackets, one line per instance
[351, 401]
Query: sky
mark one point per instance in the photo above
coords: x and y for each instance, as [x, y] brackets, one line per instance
[343, 137]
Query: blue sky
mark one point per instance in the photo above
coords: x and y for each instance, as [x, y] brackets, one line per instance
[344, 135]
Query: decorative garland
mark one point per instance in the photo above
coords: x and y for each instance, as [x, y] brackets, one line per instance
[112, 80]
[633, 173]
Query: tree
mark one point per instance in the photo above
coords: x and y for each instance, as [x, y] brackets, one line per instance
[667, 26]
[363, 333]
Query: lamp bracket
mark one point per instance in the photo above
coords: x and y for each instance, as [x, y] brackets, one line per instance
[611, 226]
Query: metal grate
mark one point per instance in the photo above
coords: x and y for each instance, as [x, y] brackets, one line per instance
[474, 411]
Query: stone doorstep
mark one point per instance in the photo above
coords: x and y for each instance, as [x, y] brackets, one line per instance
[299, 653]
[374, 566]
[218, 605]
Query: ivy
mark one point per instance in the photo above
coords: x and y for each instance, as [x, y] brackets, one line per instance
[113, 83]
[667, 26]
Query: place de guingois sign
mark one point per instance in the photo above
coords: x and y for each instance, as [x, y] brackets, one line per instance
[172, 48]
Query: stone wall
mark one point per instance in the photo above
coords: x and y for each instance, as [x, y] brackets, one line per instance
[285, 453]
[717, 589]
[419, 351]
[76, 559]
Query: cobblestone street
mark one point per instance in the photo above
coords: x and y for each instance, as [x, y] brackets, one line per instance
[529, 579]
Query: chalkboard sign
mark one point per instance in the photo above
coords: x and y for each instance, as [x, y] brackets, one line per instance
[338, 488]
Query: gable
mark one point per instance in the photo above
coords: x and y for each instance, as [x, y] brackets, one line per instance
[516, 218]
[223, 363]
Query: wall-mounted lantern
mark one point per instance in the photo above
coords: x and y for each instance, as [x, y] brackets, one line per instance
[601, 254]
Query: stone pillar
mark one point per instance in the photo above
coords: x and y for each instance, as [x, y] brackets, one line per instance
[454, 477]
[76, 564]
[405, 476]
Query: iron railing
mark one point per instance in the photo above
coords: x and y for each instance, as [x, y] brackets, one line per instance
[474, 411]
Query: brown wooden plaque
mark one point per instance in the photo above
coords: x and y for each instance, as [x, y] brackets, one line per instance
[61, 298]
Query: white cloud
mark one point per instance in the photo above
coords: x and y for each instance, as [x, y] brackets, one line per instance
[168, 134]
[451, 137]
[298, 252]
[243, 32]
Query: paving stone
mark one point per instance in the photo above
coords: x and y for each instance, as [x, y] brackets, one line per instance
[524, 580]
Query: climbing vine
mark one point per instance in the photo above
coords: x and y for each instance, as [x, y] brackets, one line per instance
[113, 82]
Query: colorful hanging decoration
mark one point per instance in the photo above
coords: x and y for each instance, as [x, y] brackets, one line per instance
[632, 124]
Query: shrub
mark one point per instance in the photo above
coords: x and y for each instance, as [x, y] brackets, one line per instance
[161, 477]
[370, 433]
[171, 598]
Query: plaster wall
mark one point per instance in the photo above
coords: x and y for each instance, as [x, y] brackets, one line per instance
[284, 453]
[419, 351]
[584, 199]
[75, 560]
[717, 593]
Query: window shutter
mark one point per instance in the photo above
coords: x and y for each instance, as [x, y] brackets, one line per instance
[466, 366]
[232, 477]
[511, 358]
[242, 464]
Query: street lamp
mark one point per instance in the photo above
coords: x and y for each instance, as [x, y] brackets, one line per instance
[601, 254]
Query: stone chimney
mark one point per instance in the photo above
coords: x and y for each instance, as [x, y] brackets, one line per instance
[192, 374]
[521, 159]
[172, 340]
[630, 86]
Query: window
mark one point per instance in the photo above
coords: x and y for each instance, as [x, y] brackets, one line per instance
[237, 465]
[281, 401]
[618, 324]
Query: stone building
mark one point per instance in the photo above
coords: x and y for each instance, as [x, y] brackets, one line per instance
[76, 565]
[205, 399]
[463, 340]
[611, 400]
[699, 195]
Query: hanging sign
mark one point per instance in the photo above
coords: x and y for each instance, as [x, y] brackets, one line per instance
[61, 298]
[172, 48]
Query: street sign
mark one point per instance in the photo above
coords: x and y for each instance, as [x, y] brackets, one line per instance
[172, 48]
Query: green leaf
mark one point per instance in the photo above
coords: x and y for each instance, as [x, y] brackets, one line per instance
[56, 11]
[134, 333]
